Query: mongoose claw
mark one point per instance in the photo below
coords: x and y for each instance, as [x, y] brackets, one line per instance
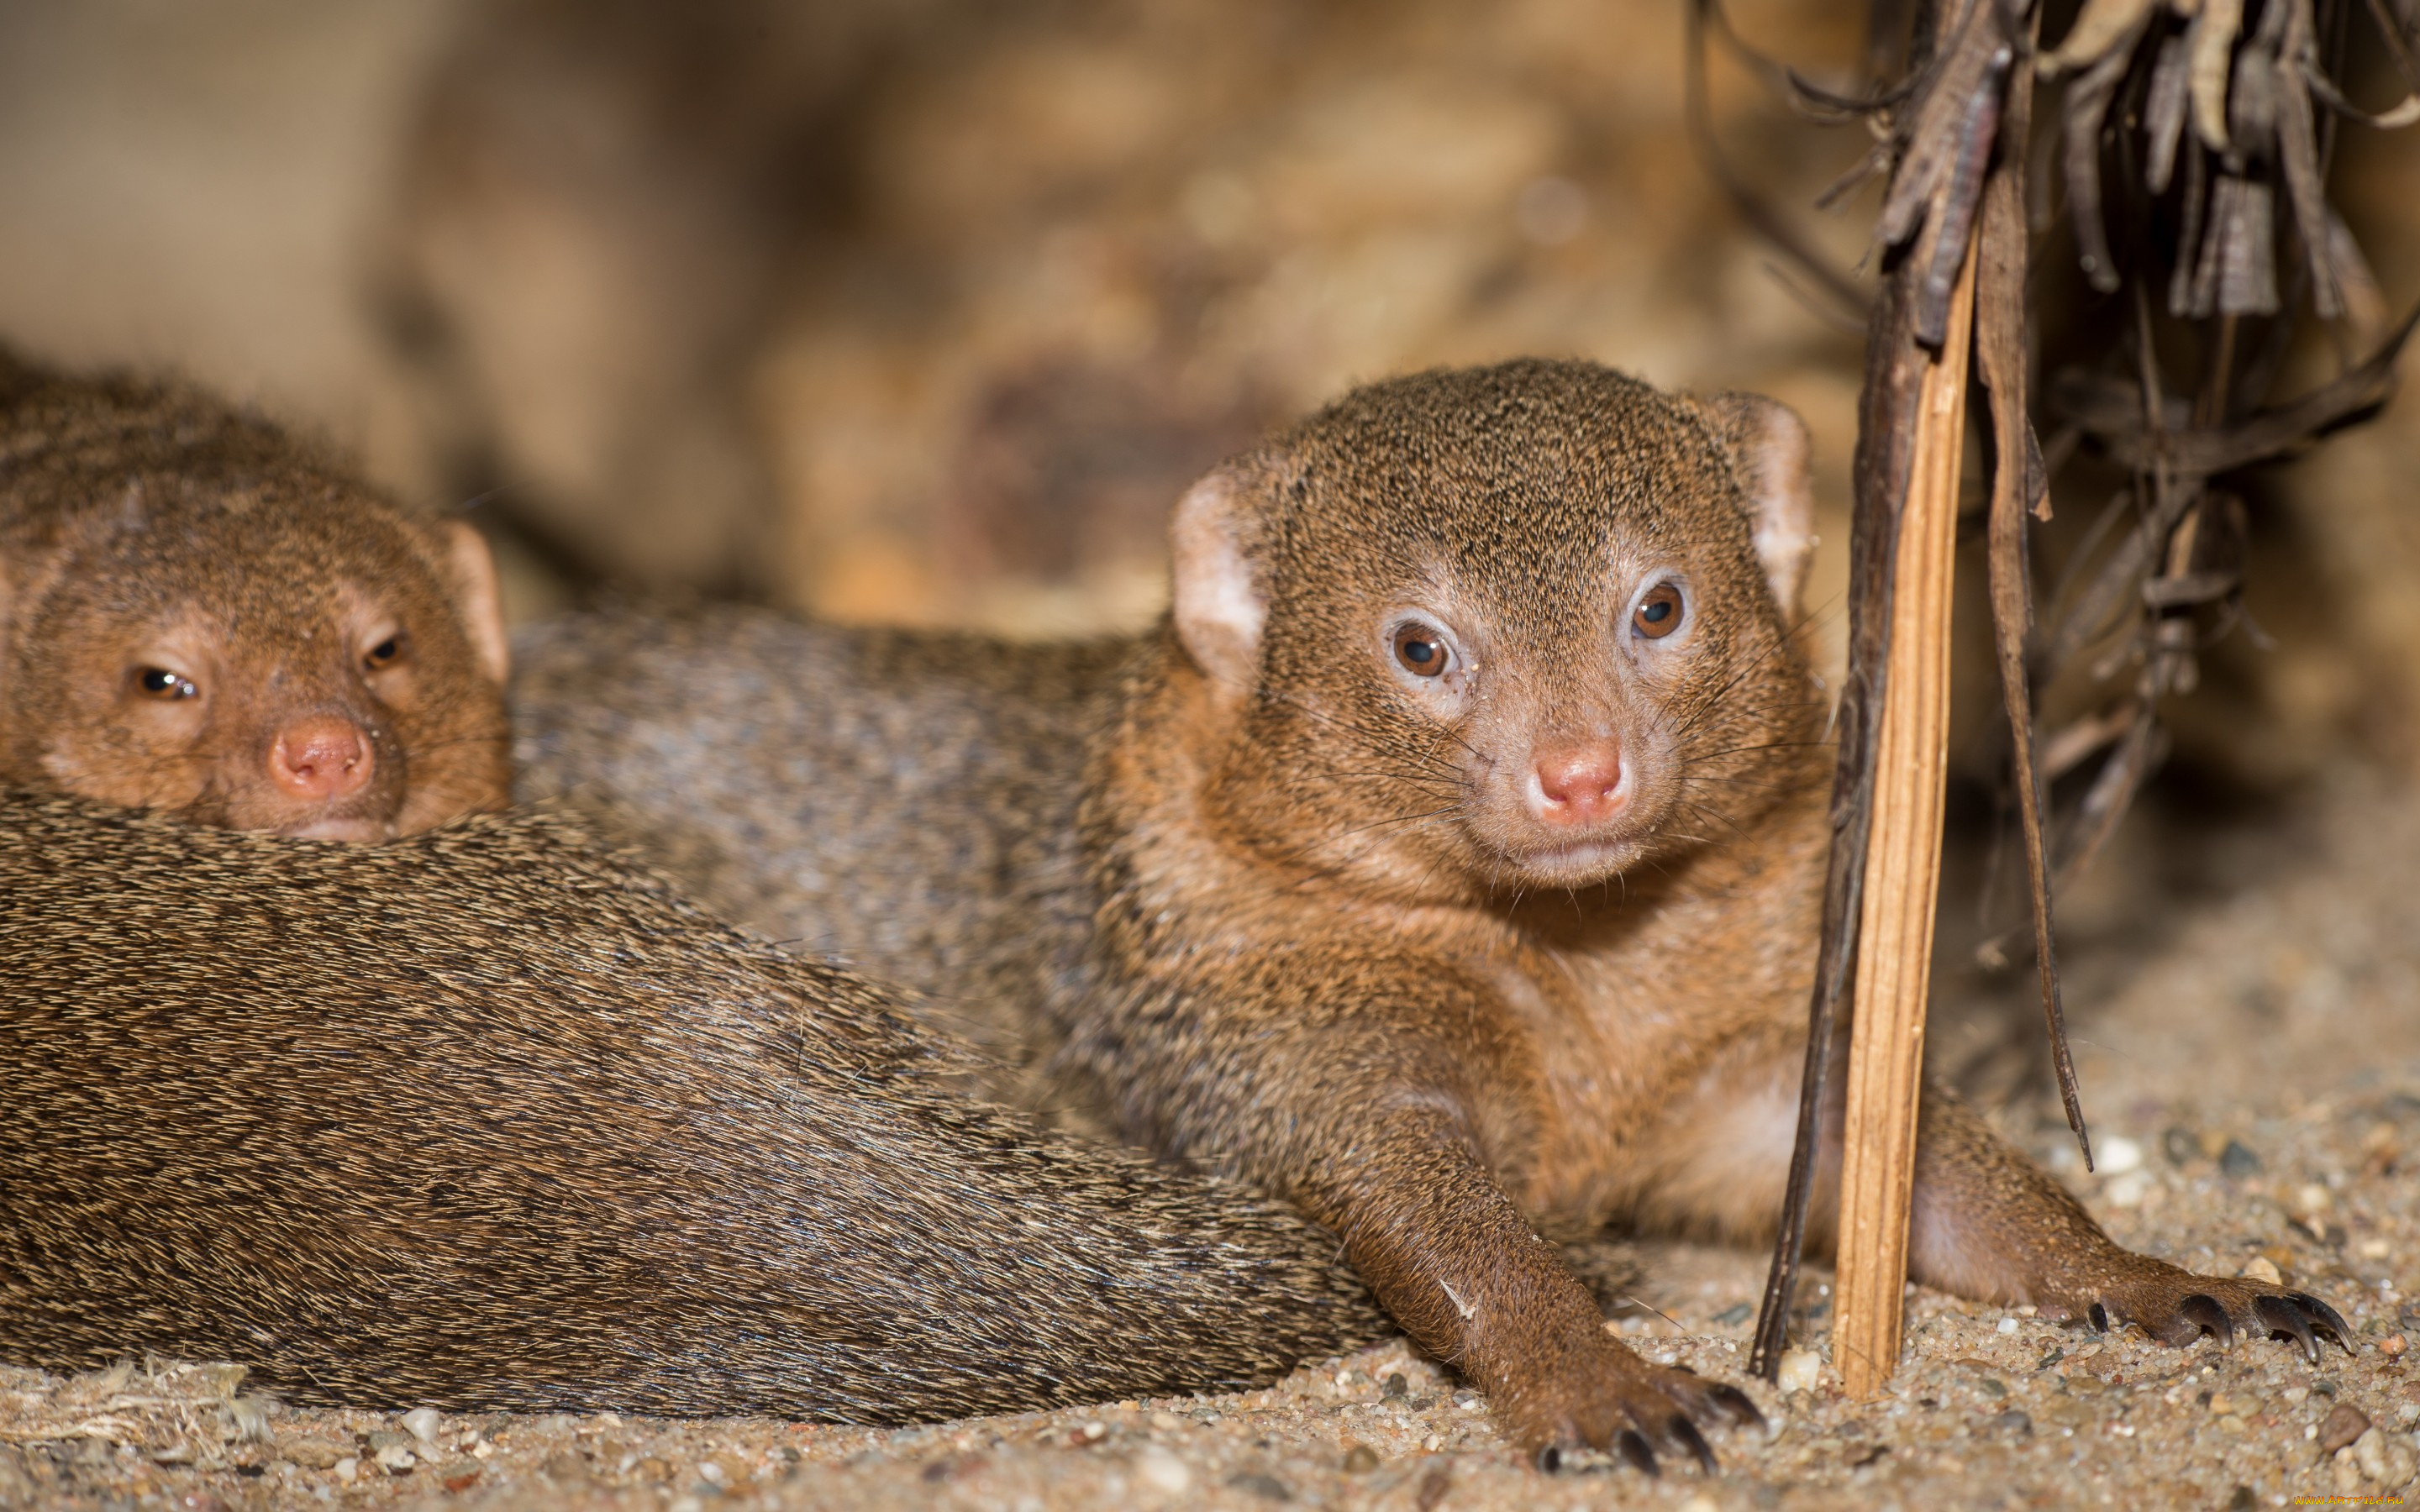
[2197, 1315]
[2177, 1307]
[1632, 1447]
[1687, 1432]
[2286, 1319]
[1641, 1413]
[1734, 1404]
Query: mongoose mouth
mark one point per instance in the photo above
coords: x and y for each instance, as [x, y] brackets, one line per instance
[1571, 864]
[353, 831]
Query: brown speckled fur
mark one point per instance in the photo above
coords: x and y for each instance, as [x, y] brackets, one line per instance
[145, 524]
[482, 1119]
[1278, 906]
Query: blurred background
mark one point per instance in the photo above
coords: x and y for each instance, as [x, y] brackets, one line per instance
[924, 311]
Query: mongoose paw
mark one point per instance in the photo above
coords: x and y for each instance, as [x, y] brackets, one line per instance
[2177, 1307]
[1611, 1399]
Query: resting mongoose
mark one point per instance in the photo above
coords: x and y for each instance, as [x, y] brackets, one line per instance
[477, 1117]
[1448, 861]
[482, 1119]
[201, 614]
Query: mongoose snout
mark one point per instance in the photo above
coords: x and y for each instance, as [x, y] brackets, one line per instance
[199, 614]
[1581, 786]
[320, 761]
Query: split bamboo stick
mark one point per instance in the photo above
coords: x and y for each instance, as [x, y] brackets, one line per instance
[1903, 877]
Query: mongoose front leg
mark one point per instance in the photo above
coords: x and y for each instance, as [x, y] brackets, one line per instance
[1451, 1257]
[1988, 1222]
[1385, 1100]
[1985, 1222]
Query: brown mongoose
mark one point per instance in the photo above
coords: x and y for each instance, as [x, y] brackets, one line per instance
[201, 614]
[1448, 861]
[482, 1119]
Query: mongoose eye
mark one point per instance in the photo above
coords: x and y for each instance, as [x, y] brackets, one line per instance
[1421, 650]
[159, 683]
[385, 654]
[1658, 614]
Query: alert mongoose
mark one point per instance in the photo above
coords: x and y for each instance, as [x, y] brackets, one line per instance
[482, 1119]
[1448, 861]
[201, 614]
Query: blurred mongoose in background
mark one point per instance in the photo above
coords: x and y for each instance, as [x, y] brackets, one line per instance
[481, 1119]
[1449, 862]
[201, 614]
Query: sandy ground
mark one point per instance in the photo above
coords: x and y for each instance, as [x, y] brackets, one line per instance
[2252, 1056]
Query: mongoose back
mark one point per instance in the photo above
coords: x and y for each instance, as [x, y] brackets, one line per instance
[1448, 862]
[202, 615]
[482, 1119]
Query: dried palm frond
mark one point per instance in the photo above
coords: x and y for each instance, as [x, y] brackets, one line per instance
[2194, 138]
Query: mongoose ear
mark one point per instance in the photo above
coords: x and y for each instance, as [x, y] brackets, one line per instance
[1768, 445]
[470, 573]
[1218, 602]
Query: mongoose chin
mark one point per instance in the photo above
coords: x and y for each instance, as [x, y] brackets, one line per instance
[201, 615]
[1450, 861]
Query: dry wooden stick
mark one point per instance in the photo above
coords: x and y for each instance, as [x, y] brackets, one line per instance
[1903, 877]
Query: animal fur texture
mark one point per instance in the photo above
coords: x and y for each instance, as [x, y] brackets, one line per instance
[483, 1119]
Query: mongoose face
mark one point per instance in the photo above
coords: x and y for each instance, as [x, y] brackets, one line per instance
[199, 617]
[1482, 630]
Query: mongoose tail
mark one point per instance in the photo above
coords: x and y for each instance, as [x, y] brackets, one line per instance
[483, 1121]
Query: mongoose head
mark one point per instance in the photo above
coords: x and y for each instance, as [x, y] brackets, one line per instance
[199, 615]
[1503, 628]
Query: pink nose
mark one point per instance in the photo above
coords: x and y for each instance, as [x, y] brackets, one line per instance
[320, 758]
[1579, 784]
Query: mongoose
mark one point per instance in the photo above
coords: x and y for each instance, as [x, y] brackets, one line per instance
[202, 614]
[482, 1119]
[1448, 861]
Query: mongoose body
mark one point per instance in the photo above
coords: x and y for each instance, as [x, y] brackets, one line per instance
[1448, 861]
[480, 1119]
[200, 614]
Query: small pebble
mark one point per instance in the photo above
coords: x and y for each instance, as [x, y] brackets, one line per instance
[421, 1422]
[311, 1453]
[1361, 1459]
[1397, 1384]
[2180, 1144]
[2238, 1161]
[2117, 1155]
[2008, 1325]
[2385, 1459]
[2393, 1346]
[2342, 1426]
[395, 1459]
[1163, 1471]
[2263, 1269]
[1267, 1488]
[1801, 1370]
[348, 1468]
